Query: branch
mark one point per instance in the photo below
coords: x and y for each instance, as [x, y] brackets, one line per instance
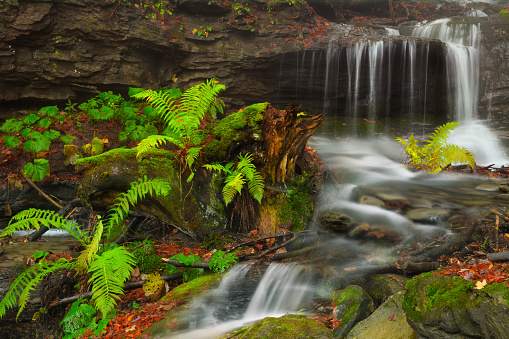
[42, 192]
[128, 286]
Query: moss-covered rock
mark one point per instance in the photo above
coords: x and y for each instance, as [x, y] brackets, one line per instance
[440, 306]
[352, 305]
[388, 321]
[182, 293]
[382, 286]
[290, 326]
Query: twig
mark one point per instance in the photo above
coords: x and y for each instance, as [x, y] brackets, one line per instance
[42, 193]
[264, 238]
[128, 286]
[275, 248]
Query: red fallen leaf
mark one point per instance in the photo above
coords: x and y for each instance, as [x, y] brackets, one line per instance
[392, 317]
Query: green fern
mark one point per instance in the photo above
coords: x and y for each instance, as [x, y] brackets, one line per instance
[244, 171]
[109, 271]
[86, 256]
[139, 189]
[437, 153]
[22, 286]
[185, 114]
[35, 218]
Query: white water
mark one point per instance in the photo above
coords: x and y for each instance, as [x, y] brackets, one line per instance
[284, 288]
[463, 73]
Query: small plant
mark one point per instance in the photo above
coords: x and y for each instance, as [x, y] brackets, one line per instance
[220, 262]
[436, 154]
[81, 318]
[237, 175]
[37, 170]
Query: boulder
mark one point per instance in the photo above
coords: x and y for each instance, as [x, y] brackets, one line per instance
[290, 326]
[381, 286]
[336, 220]
[388, 321]
[440, 306]
[352, 305]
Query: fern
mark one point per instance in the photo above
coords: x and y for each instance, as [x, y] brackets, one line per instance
[155, 141]
[184, 115]
[437, 153]
[244, 171]
[109, 272]
[87, 255]
[22, 286]
[35, 218]
[234, 184]
[139, 189]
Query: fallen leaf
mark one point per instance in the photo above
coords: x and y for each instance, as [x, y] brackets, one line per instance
[392, 317]
[480, 284]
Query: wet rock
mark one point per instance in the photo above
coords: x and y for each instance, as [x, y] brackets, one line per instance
[427, 214]
[388, 321]
[503, 188]
[439, 306]
[369, 200]
[390, 196]
[353, 304]
[290, 326]
[381, 286]
[336, 220]
[487, 187]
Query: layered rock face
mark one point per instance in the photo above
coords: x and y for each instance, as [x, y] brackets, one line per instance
[51, 52]
[54, 51]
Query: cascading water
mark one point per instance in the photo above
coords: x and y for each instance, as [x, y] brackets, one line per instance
[283, 288]
[462, 40]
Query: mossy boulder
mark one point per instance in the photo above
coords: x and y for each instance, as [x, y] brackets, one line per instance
[182, 294]
[290, 326]
[441, 306]
[382, 286]
[195, 208]
[352, 305]
[388, 321]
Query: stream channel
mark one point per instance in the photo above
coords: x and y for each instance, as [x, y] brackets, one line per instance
[371, 165]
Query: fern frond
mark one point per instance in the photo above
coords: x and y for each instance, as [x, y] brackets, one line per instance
[164, 103]
[139, 189]
[256, 187]
[154, 141]
[234, 184]
[255, 182]
[91, 249]
[109, 272]
[215, 167]
[22, 286]
[191, 155]
[441, 133]
[35, 218]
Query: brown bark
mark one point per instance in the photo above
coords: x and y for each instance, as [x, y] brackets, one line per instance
[285, 137]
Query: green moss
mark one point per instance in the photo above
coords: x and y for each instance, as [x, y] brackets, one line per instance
[231, 129]
[190, 289]
[297, 206]
[350, 295]
[290, 326]
[97, 160]
[441, 292]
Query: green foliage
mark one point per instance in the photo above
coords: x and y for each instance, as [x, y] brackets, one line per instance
[67, 139]
[504, 13]
[21, 287]
[36, 170]
[50, 111]
[44, 123]
[189, 273]
[11, 141]
[109, 271]
[37, 143]
[182, 115]
[81, 318]
[144, 254]
[437, 153]
[219, 262]
[139, 189]
[243, 171]
[31, 119]
[35, 218]
[298, 205]
[12, 125]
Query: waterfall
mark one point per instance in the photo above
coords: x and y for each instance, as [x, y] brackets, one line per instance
[283, 288]
[463, 76]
